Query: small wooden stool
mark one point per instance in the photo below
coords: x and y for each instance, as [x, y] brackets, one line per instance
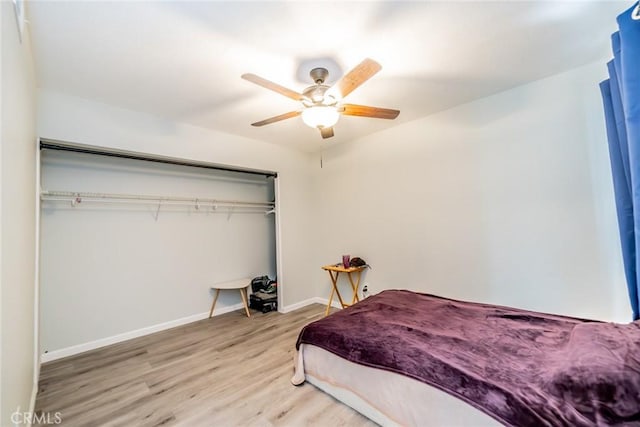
[241, 285]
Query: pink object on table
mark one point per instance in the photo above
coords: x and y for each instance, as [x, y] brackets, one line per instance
[345, 260]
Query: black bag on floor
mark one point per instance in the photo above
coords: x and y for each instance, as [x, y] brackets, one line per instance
[260, 283]
[263, 301]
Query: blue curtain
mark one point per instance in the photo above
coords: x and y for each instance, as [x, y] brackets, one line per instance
[621, 97]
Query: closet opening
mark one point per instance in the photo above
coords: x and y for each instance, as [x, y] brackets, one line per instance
[132, 243]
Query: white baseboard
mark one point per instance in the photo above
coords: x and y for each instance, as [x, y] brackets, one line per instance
[34, 390]
[304, 303]
[102, 342]
[325, 301]
[298, 305]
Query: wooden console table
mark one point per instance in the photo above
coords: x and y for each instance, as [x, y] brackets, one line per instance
[337, 269]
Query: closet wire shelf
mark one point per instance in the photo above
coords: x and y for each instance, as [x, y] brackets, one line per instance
[76, 198]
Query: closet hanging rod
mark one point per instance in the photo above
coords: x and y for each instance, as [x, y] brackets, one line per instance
[78, 197]
[50, 144]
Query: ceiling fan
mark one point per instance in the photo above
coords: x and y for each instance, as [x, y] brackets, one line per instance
[322, 104]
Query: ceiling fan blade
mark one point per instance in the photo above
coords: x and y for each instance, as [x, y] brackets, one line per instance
[326, 132]
[366, 111]
[273, 86]
[274, 119]
[354, 78]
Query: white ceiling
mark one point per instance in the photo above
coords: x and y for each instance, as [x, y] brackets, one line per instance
[183, 60]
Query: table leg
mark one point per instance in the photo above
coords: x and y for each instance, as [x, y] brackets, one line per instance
[335, 286]
[355, 286]
[326, 312]
[334, 289]
[214, 302]
[243, 294]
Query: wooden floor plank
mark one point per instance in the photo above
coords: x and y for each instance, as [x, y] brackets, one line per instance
[229, 370]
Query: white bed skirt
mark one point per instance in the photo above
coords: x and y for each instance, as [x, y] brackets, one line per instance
[387, 398]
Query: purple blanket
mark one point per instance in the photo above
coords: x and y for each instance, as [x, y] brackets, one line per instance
[523, 368]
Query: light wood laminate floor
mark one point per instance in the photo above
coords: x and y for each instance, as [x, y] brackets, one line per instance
[226, 371]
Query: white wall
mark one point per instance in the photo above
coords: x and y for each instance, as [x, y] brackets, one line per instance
[72, 119]
[506, 200]
[108, 269]
[17, 225]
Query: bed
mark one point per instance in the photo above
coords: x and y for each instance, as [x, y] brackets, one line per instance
[407, 358]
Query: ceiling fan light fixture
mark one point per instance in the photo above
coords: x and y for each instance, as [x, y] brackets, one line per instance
[320, 116]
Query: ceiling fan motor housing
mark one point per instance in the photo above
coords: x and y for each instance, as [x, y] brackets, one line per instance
[316, 95]
[319, 75]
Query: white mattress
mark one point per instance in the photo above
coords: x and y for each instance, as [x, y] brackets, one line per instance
[387, 398]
